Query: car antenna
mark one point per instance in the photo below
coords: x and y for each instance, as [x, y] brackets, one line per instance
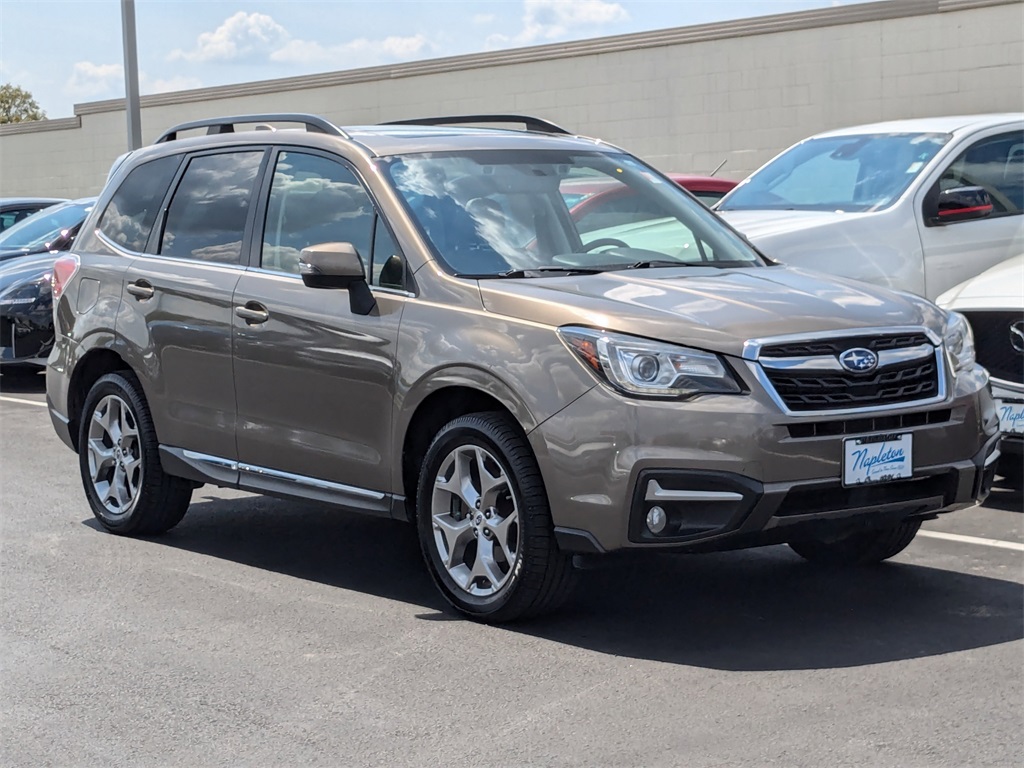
[720, 166]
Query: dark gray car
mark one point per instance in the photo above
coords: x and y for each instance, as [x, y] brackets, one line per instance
[403, 320]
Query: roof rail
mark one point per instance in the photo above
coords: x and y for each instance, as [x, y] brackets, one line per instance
[218, 125]
[530, 123]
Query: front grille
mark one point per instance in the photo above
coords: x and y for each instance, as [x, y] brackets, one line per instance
[806, 389]
[892, 423]
[992, 343]
[836, 346]
[826, 390]
[833, 497]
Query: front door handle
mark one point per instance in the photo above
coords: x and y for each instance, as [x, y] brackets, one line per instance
[253, 313]
[141, 289]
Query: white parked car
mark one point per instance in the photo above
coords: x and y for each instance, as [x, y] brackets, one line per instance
[993, 303]
[919, 205]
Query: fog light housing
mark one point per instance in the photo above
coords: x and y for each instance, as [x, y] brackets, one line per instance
[656, 520]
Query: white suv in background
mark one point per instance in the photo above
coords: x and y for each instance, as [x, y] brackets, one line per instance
[919, 205]
[993, 303]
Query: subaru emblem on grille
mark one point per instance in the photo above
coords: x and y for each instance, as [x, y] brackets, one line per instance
[858, 360]
[1017, 336]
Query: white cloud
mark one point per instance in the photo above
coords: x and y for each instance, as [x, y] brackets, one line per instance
[89, 80]
[360, 52]
[252, 36]
[553, 19]
[167, 84]
[242, 36]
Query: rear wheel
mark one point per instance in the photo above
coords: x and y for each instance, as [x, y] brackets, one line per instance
[484, 523]
[860, 548]
[119, 460]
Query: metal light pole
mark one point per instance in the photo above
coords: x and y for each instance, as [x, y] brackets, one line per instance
[131, 74]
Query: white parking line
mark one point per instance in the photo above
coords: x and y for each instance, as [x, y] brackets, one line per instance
[1014, 545]
[23, 402]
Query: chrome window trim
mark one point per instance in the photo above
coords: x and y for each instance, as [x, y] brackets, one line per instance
[293, 276]
[191, 262]
[752, 347]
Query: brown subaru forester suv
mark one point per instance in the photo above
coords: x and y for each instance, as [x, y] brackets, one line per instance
[409, 320]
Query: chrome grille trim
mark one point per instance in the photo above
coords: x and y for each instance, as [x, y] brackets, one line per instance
[759, 367]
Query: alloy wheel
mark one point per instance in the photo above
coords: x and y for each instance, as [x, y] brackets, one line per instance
[115, 455]
[475, 518]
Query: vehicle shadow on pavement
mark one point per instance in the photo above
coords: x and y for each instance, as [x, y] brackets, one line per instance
[1006, 497]
[755, 610]
[23, 382]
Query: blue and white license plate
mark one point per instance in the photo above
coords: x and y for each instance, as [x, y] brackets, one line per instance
[1011, 416]
[877, 459]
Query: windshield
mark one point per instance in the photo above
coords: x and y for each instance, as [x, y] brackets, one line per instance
[839, 173]
[43, 227]
[525, 212]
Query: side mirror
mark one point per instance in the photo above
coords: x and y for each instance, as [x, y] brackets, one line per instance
[337, 265]
[960, 204]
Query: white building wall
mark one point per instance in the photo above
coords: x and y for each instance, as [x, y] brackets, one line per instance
[684, 99]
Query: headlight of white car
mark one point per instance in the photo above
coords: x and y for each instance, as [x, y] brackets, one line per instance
[647, 368]
[959, 342]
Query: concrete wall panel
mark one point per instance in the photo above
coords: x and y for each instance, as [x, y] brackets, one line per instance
[684, 99]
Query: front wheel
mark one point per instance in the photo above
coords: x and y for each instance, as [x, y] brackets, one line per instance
[860, 548]
[484, 523]
[119, 460]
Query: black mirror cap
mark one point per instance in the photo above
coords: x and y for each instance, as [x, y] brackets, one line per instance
[958, 204]
[331, 265]
[338, 265]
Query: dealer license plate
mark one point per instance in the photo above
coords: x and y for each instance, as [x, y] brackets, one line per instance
[1011, 416]
[877, 459]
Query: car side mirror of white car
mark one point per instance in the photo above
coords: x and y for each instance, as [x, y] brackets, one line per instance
[957, 204]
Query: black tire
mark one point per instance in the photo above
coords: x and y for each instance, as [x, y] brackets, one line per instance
[861, 548]
[160, 500]
[542, 576]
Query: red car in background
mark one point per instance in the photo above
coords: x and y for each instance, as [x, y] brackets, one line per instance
[599, 203]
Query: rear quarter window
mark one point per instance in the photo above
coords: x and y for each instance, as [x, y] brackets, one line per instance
[132, 211]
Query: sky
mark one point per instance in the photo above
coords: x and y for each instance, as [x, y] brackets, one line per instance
[70, 52]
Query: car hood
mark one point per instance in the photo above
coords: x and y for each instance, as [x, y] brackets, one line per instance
[999, 287]
[24, 269]
[13, 253]
[714, 309]
[760, 224]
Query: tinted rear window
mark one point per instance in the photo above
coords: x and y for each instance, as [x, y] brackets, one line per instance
[128, 219]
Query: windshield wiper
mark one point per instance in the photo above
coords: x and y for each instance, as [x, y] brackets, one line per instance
[669, 263]
[551, 270]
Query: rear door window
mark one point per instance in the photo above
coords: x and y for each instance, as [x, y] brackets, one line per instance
[207, 215]
[132, 211]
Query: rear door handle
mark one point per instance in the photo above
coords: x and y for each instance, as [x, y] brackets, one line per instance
[253, 313]
[141, 289]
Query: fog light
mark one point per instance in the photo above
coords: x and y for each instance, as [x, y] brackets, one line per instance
[656, 520]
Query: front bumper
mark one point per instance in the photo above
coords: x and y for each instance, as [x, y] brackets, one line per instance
[26, 336]
[770, 476]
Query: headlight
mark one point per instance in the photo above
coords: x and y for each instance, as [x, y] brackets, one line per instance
[959, 342]
[26, 293]
[649, 368]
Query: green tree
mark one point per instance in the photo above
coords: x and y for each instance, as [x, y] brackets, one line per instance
[17, 105]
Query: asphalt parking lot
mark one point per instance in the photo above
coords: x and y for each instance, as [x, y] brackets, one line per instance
[261, 633]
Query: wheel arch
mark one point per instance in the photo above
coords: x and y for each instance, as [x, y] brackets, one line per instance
[88, 370]
[448, 395]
